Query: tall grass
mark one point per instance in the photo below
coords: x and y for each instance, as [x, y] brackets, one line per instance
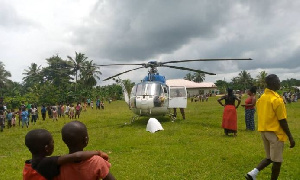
[195, 148]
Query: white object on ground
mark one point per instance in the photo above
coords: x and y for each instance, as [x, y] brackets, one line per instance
[153, 125]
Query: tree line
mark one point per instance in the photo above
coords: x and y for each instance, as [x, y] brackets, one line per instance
[62, 80]
[243, 81]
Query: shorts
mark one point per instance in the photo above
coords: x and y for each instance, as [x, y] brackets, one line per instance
[273, 147]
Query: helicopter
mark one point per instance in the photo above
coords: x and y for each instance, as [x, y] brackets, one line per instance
[152, 96]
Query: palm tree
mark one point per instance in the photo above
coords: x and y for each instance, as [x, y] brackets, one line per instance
[90, 73]
[32, 74]
[245, 79]
[128, 85]
[188, 76]
[261, 79]
[78, 63]
[198, 77]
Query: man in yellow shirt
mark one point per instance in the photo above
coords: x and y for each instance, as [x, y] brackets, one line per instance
[273, 127]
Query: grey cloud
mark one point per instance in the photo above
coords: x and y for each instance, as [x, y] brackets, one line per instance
[145, 29]
[10, 18]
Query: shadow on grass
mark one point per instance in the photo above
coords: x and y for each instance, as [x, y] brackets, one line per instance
[142, 121]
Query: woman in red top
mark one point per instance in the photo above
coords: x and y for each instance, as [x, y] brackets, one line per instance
[250, 109]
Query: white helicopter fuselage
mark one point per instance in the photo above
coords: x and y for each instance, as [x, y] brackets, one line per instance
[153, 98]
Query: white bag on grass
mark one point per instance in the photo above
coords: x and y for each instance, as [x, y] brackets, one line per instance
[153, 125]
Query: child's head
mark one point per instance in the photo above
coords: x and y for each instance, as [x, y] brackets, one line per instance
[39, 141]
[75, 135]
[23, 108]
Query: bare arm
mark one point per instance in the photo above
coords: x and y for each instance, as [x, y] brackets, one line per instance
[239, 102]
[285, 127]
[220, 99]
[109, 177]
[79, 156]
[253, 101]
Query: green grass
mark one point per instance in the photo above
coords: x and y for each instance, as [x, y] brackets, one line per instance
[195, 148]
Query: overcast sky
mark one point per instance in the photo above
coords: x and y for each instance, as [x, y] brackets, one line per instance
[135, 31]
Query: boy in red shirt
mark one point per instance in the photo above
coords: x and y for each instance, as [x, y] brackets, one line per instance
[75, 135]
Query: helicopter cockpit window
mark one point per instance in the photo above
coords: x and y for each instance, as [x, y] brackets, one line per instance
[148, 89]
[139, 90]
[153, 89]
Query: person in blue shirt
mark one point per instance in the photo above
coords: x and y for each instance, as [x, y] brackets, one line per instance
[43, 111]
[24, 115]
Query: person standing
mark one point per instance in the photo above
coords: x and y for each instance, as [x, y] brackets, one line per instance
[250, 109]
[98, 103]
[24, 115]
[89, 102]
[229, 122]
[33, 114]
[54, 113]
[2, 123]
[273, 126]
[43, 112]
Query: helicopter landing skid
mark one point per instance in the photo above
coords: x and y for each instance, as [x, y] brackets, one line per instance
[134, 118]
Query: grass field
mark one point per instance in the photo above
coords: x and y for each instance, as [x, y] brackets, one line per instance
[195, 148]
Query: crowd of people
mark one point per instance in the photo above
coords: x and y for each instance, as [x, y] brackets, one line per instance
[30, 113]
[201, 97]
[289, 97]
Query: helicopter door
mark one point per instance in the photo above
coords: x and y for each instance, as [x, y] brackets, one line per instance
[177, 97]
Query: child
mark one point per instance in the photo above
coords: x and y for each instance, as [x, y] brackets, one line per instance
[9, 118]
[33, 114]
[13, 119]
[62, 109]
[67, 112]
[54, 114]
[49, 109]
[78, 109]
[40, 143]
[72, 111]
[102, 105]
[59, 110]
[75, 135]
[92, 104]
[24, 115]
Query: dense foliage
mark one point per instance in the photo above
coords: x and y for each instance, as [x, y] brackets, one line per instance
[70, 80]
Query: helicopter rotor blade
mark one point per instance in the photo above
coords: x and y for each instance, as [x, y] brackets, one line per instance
[141, 64]
[122, 73]
[191, 60]
[188, 69]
